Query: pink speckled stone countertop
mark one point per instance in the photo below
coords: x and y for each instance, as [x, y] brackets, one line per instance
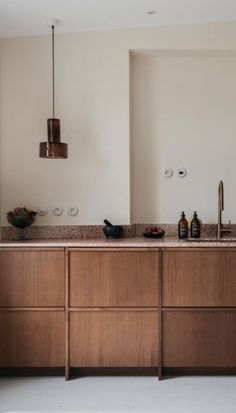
[135, 242]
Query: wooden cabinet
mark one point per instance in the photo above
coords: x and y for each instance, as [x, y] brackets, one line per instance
[32, 278]
[199, 338]
[127, 278]
[32, 338]
[199, 308]
[199, 278]
[32, 314]
[118, 307]
[106, 338]
[79, 308]
[113, 308]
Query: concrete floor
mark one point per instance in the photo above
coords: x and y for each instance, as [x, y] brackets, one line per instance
[119, 394]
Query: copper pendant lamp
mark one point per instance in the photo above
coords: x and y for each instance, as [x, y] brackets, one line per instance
[53, 148]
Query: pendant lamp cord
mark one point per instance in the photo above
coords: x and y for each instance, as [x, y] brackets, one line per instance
[53, 92]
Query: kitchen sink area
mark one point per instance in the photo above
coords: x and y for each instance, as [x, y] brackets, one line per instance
[217, 240]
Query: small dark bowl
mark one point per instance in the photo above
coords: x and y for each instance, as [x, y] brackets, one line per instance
[115, 231]
[154, 235]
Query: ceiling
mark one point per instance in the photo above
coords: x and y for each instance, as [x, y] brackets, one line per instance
[29, 17]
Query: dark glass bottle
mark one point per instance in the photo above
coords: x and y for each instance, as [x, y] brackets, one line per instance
[195, 227]
[183, 226]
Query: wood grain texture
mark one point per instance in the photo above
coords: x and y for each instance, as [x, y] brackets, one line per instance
[67, 336]
[199, 278]
[113, 278]
[32, 339]
[160, 317]
[199, 339]
[32, 278]
[112, 309]
[114, 339]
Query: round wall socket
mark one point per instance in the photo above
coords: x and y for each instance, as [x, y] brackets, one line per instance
[168, 173]
[73, 211]
[42, 211]
[57, 211]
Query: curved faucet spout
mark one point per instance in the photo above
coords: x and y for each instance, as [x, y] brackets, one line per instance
[221, 228]
[221, 196]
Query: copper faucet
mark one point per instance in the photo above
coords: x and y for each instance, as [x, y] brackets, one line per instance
[221, 229]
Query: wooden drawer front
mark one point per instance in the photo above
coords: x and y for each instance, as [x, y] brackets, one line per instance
[199, 278]
[113, 278]
[31, 278]
[114, 339]
[199, 339]
[32, 339]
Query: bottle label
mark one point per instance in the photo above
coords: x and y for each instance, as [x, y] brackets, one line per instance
[183, 231]
[195, 230]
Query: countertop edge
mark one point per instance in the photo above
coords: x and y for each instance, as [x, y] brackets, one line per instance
[136, 242]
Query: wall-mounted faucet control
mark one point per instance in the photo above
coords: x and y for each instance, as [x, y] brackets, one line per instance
[182, 172]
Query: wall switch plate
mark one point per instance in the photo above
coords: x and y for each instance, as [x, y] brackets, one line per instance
[182, 172]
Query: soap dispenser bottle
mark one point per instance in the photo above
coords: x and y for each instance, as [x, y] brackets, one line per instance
[195, 226]
[183, 226]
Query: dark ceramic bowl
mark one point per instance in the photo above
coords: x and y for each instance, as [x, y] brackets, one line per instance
[114, 231]
[154, 235]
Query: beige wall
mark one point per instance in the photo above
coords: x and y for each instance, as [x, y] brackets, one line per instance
[0, 127]
[184, 116]
[92, 88]
[92, 101]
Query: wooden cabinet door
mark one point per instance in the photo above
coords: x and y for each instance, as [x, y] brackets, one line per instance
[31, 278]
[199, 278]
[113, 278]
[114, 338]
[199, 338]
[32, 339]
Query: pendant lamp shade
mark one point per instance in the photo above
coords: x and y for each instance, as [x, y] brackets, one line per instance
[53, 148]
